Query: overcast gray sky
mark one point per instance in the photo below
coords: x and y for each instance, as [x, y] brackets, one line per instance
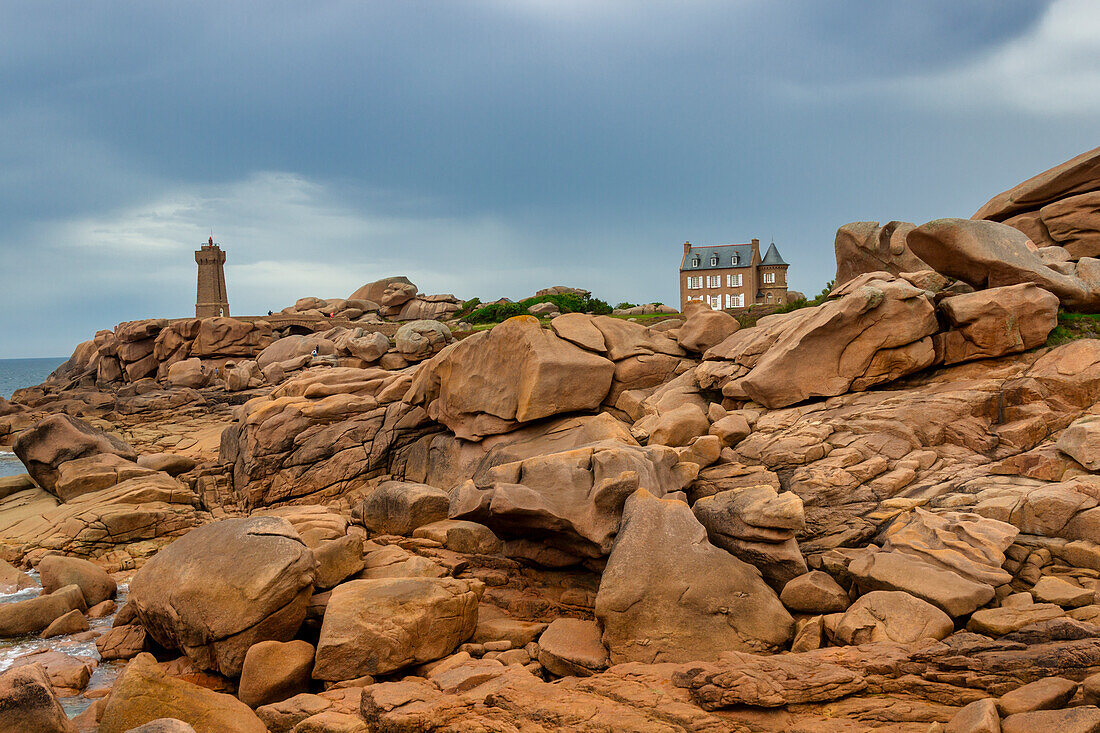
[493, 148]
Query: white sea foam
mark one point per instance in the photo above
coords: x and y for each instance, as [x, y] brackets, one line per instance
[105, 672]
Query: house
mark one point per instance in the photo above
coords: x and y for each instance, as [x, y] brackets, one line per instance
[732, 275]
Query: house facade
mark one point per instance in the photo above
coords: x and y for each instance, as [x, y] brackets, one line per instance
[732, 275]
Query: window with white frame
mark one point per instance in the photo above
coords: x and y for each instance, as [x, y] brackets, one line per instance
[714, 260]
[715, 302]
[735, 301]
[695, 261]
[695, 283]
[733, 281]
[769, 277]
[714, 281]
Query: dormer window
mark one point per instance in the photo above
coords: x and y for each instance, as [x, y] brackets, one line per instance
[695, 261]
[714, 260]
[736, 259]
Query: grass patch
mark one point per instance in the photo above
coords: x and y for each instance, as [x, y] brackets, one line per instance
[498, 312]
[1074, 326]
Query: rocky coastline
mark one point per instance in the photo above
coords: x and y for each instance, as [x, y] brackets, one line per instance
[877, 513]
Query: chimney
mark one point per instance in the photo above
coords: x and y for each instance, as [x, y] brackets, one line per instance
[687, 247]
[755, 250]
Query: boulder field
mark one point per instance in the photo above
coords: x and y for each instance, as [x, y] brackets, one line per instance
[877, 513]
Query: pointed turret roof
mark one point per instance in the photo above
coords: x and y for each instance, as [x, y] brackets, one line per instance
[772, 256]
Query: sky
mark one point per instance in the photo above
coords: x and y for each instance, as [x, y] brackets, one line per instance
[491, 148]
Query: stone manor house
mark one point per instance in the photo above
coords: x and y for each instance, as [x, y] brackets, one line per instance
[732, 275]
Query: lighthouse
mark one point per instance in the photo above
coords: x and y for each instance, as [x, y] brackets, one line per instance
[211, 300]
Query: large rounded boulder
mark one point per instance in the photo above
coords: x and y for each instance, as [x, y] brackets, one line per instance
[61, 438]
[223, 587]
[518, 372]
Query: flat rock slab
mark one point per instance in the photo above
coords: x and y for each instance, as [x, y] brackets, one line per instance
[1045, 694]
[749, 679]
[1073, 720]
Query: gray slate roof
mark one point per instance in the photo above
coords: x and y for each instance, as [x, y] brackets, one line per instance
[772, 257]
[725, 254]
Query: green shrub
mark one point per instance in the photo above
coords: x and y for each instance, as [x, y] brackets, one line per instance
[496, 312]
[467, 307]
[566, 303]
[597, 307]
[1074, 326]
[624, 305]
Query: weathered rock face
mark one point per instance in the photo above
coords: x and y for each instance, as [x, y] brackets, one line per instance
[292, 347]
[230, 337]
[669, 595]
[846, 457]
[426, 308]
[145, 693]
[92, 524]
[188, 373]
[969, 545]
[12, 579]
[706, 328]
[57, 571]
[1081, 441]
[1056, 207]
[274, 671]
[864, 246]
[747, 679]
[399, 507]
[60, 438]
[1065, 509]
[94, 473]
[122, 642]
[68, 675]
[986, 254]
[378, 626]
[461, 536]
[337, 559]
[815, 592]
[82, 365]
[572, 647]
[571, 500]
[243, 375]
[758, 526]
[1072, 223]
[395, 295]
[375, 290]
[518, 372]
[321, 433]
[630, 698]
[877, 329]
[150, 348]
[896, 571]
[34, 614]
[362, 345]
[892, 616]
[223, 587]
[28, 703]
[421, 339]
[995, 322]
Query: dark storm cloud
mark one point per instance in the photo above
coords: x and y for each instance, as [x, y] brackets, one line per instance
[487, 148]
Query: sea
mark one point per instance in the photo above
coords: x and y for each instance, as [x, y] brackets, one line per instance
[16, 374]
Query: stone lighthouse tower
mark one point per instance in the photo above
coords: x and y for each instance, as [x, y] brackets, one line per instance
[211, 300]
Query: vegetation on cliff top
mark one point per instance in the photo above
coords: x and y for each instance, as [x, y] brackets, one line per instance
[474, 312]
[1073, 326]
